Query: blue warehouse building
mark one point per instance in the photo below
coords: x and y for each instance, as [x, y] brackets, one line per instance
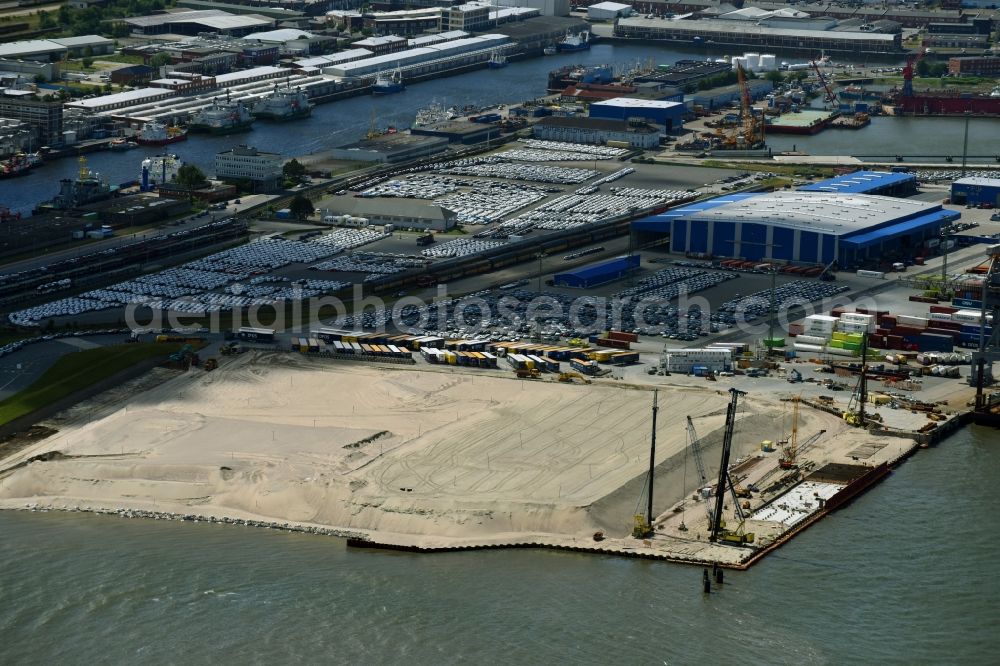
[799, 227]
[976, 191]
[669, 115]
[885, 183]
[597, 274]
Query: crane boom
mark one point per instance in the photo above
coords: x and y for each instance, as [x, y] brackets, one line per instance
[696, 451]
[727, 448]
[787, 461]
[830, 95]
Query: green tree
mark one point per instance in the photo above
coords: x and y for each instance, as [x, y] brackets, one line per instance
[190, 177]
[45, 21]
[775, 77]
[87, 63]
[159, 60]
[293, 170]
[88, 52]
[301, 207]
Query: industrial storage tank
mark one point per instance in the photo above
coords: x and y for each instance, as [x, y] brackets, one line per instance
[767, 62]
[751, 61]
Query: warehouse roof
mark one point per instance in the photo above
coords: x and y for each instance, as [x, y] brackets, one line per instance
[279, 35]
[83, 40]
[30, 47]
[710, 26]
[978, 180]
[637, 103]
[859, 182]
[837, 214]
[610, 6]
[937, 217]
[212, 18]
[601, 270]
[127, 97]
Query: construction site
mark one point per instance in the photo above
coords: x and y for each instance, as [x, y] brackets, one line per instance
[431, 458]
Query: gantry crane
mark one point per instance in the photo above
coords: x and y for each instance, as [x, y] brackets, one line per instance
[989, 345]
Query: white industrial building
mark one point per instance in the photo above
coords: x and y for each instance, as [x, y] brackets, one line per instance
[401, 213]
[685, 360]
[48, 50]
[608, 11]
[598, 131]
[412, 58]
[263, 170]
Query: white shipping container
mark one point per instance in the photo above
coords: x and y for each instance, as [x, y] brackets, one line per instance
[799, 346]
[872, 274]
[819, 317]
[940, 316]
[811, 339]
[848, 327]
[840, 352]
[907, 320]
[857, 317]
[974, 316]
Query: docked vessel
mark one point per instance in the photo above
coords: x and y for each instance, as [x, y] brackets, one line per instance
[805, 121]
[571, 75]
[157, 134]
[19, 164]
[578, 42]
[87, 188]
[942, 102]
[158, 170]
[431, 115]
[121, 144]
[550, 50]
[856, 121]
[947, 103]
[497, 60]
[284, 103]
[853, 92]
[226, 117]
[388, 83]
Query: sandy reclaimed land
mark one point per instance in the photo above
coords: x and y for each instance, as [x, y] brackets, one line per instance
[424, 457]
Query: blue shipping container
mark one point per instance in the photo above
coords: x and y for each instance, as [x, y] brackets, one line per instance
[966, 303]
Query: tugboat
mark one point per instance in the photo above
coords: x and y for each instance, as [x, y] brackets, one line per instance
[222, 118]
[497, 60]
[120, 145]
[387, 84]
[158, 134]
[285, 103]
[577, 42]
[19, 164]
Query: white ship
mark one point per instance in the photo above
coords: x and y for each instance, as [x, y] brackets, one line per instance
[284, 103]
[431, 115]
[158, 170]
